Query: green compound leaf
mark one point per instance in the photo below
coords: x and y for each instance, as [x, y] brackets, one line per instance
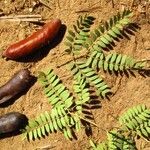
[55, 91]
[137, 119]
[76, 39]
[114, 62]
[91, 77]
[49, 122]
[117, 140]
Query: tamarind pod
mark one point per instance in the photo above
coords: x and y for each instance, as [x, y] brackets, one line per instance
[11, 122]
[17, 84]
[34, 41]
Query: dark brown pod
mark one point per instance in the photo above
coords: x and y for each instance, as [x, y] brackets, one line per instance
[17, 84]
[34, 41]
[12, 122]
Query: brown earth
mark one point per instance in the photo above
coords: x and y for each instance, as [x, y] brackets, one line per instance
[129, 91]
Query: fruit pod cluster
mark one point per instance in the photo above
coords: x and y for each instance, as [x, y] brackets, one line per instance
[14, 121]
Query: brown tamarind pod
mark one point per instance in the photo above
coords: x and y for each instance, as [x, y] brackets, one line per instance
[17, 84]
[34, 41]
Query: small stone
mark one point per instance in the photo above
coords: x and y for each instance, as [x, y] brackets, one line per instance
[34, 3]
[30, 9]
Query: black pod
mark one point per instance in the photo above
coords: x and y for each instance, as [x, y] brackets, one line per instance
[12, 122]
[17, 84]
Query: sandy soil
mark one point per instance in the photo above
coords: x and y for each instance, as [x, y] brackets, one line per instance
[129, 91]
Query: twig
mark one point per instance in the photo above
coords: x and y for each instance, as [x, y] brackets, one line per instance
[58, 4]
[93, 8]
[113, 4]
[45, 148]
[29, 18]
[22, 16]
[44, 4]
[88, 10]
[1, 13]
[132, 4]
[144, 60]
[84, 55]
[67, 62]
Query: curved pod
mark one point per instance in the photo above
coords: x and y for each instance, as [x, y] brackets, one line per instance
[33, 42]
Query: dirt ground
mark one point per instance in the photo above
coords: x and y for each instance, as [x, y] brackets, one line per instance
[129, 91]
